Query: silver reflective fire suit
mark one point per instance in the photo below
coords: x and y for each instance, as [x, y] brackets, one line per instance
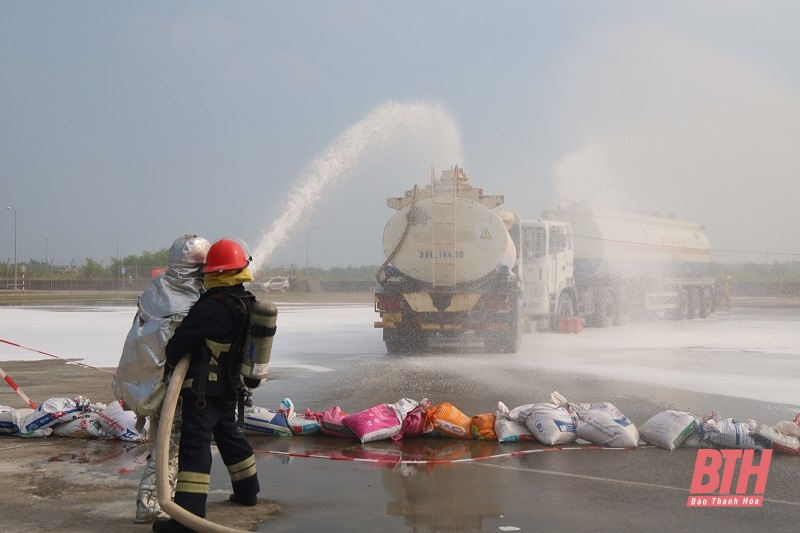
[139, 380]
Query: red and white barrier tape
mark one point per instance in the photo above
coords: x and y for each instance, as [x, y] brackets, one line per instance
[395, 460]
[55, 356]
[16, 388]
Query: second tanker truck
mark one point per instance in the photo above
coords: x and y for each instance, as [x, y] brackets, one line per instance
[457, 262]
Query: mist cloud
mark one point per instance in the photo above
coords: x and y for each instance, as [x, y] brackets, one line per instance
[663, 123]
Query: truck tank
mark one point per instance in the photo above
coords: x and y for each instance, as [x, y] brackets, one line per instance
[623, 244]
[447, 233]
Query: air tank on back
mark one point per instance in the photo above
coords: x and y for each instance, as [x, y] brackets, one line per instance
[447, 233]
[611, 243]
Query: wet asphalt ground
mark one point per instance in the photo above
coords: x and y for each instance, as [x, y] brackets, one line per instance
[426, 484]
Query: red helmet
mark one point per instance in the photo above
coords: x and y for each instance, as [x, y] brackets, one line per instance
[226, 254]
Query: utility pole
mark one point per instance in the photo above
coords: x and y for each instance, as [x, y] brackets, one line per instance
[15, 245]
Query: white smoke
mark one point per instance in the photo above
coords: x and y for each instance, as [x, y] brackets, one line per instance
[666, 124]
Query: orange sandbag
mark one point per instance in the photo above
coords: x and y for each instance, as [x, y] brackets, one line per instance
[447, 421]
[481, 427]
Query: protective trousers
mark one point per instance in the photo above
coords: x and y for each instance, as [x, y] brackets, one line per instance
[216, 417]
[147, 507]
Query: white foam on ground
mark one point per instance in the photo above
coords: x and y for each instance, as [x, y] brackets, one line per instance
[747, 357]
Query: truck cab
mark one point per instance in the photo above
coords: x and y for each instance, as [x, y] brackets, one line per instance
[547, 266]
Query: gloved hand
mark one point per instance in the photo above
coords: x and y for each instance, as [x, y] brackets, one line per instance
[168, 370]
[249, 383]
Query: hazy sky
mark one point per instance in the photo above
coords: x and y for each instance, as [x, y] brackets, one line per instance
[127, 124]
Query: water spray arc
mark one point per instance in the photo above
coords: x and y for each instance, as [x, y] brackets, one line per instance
[388, 125]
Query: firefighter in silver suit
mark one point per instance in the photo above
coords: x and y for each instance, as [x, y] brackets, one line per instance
[139, 380]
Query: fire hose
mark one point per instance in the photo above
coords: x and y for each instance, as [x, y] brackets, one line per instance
[163, 488]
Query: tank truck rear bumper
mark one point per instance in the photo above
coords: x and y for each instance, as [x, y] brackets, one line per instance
[452, 312]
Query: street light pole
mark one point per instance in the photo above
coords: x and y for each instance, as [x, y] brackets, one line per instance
[15, 245]
[117, 239]
[309, 231]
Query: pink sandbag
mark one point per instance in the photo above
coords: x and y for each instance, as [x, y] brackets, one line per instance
[376, 423]
[413, 424]
[331, 423]
[382, 421]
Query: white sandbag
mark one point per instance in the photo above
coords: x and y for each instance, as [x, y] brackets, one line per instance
[7, 425]
[305, 424]
[12, 422]
[121, 424]
[521, 413]
[601, 423]
[778, 441]
[668, 429]
[699, 438]
[87, 426]
[551, 424]
[55, 410]
[729, 433]
[789, 428]
[508, 430]
[263, 421]
[605, 425]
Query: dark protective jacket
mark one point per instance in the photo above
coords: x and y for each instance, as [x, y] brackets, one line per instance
[213, 324]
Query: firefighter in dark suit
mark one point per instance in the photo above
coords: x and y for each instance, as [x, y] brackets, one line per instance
[211, 333]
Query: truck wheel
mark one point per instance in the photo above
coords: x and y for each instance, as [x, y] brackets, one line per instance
[507, 342]
[527, 325]
[694, 304]
[605, 313]
[403, 342]
[623, 307]
[707, 307]
[683, 304]
[564, 309]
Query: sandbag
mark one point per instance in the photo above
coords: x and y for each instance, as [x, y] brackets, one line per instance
[12, 422]
[331, 422]
[789, 428]
[414, 422]
[780, 442]
[445, 420]
[88, 426]
[481, 427]
[668, 429]
[7, 420]
[53, 411]
[263, 421]
[601, 423]
[730, 433]
[305, 424]
[121, 424]
[551, 424]
[507, 430]
[382, 421]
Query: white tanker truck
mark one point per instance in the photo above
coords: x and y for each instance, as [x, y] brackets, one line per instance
[456, 262]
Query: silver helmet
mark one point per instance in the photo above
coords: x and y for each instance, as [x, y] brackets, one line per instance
[187, 255]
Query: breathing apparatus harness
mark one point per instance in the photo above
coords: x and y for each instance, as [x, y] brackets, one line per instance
[245, 362]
